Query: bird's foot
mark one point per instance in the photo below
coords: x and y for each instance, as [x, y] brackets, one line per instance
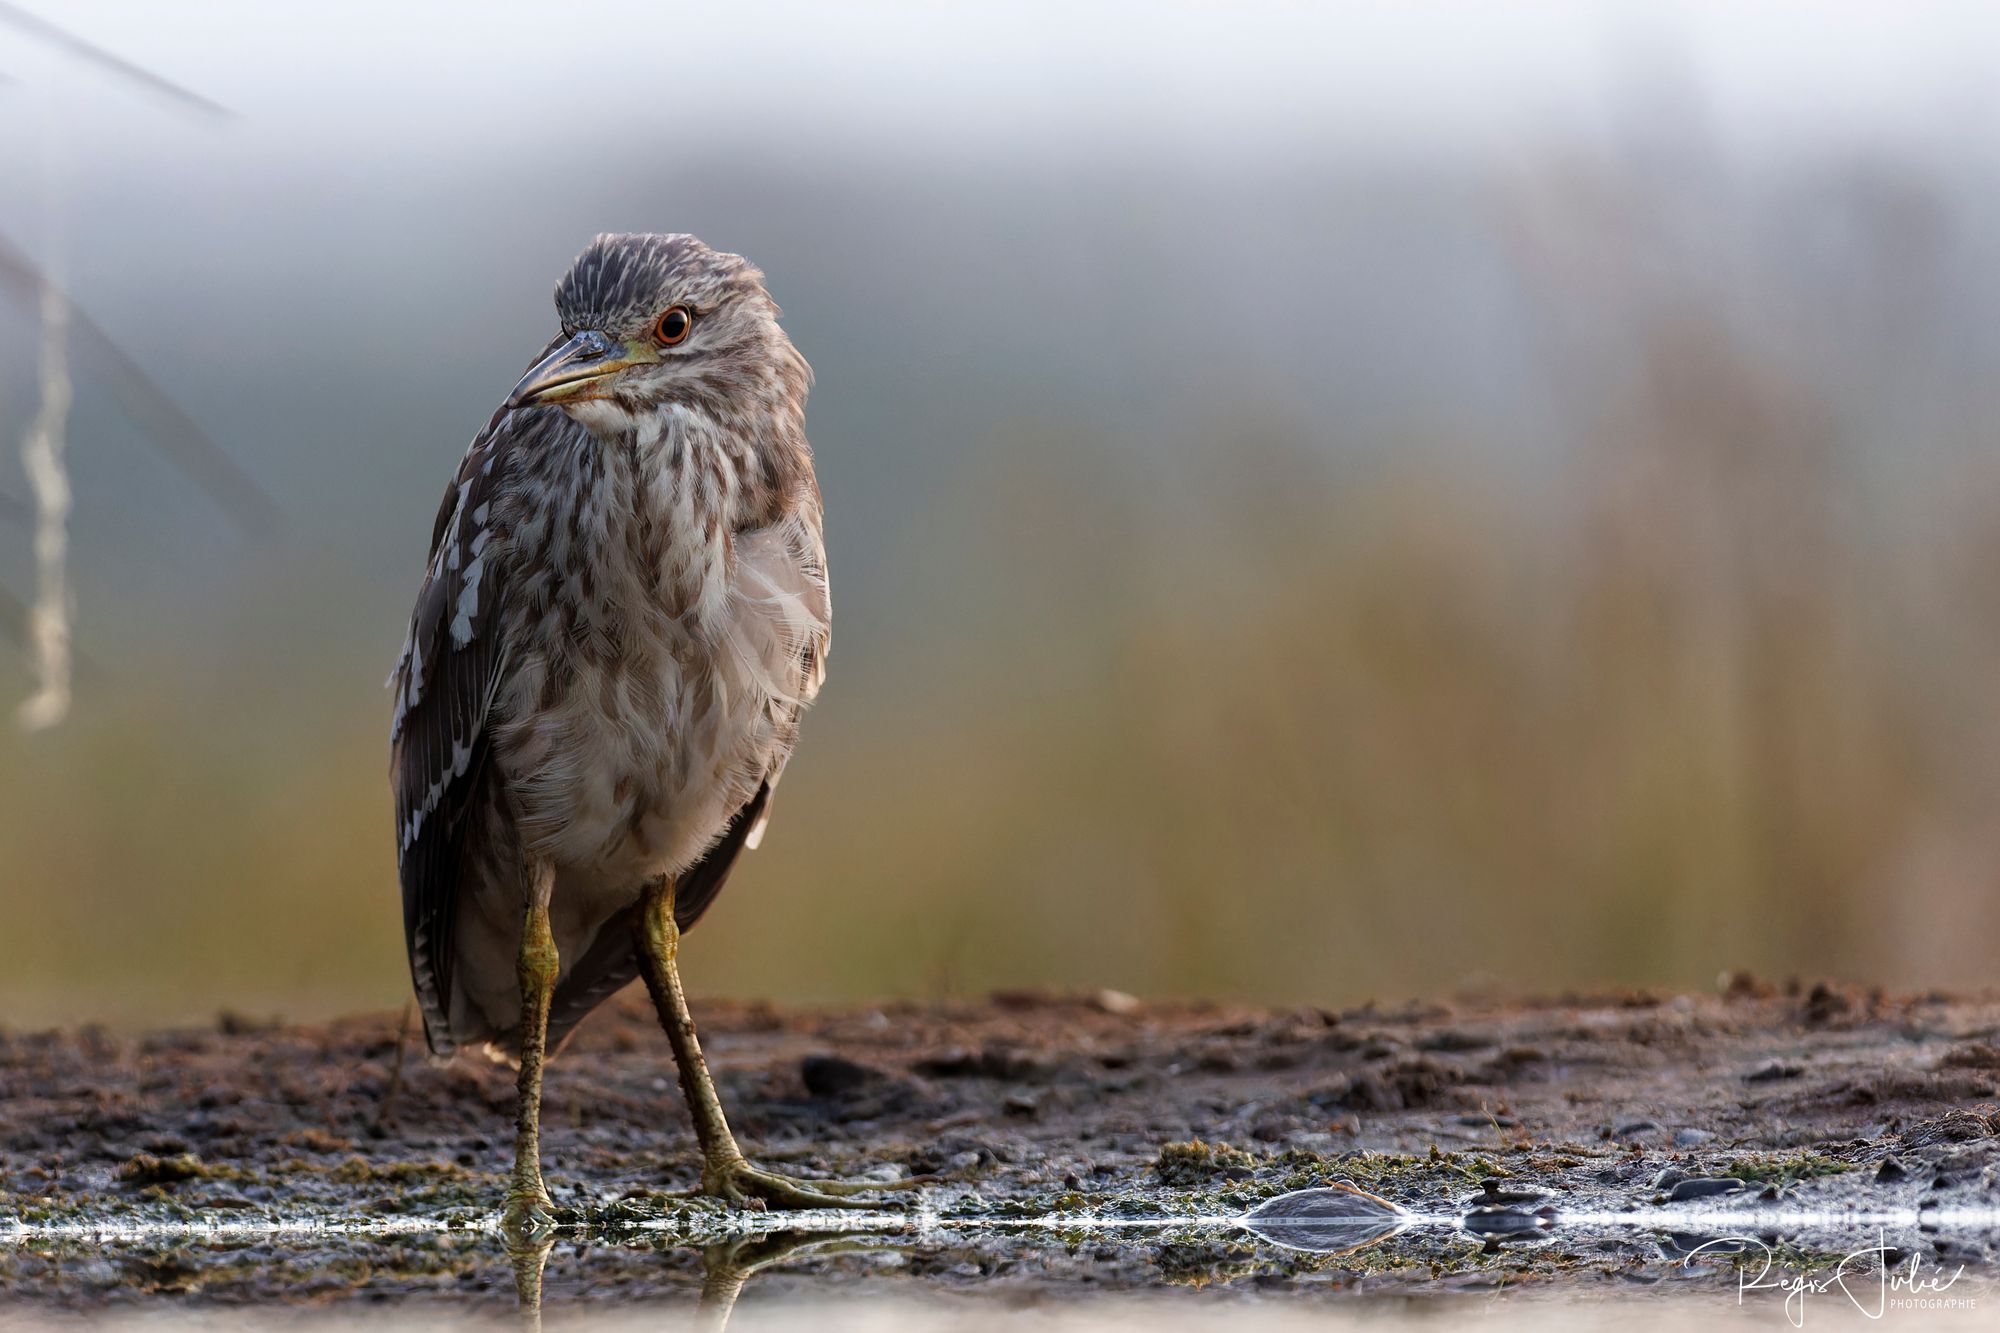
[735, 1181]
[528, 1215]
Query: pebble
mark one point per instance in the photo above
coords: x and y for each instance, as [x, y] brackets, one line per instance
[1494, 1192]
[1116, 1003]
[834, 1075]
[1771, 1071]
[1705, 1187]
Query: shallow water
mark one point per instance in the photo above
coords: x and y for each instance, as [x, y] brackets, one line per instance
[1335, 1251]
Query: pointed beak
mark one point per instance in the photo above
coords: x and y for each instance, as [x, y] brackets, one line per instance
[575, 369]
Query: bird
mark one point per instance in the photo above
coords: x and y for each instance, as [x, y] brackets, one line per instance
[624, 614]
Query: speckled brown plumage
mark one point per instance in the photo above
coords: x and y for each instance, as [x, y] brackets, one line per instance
[623, 617]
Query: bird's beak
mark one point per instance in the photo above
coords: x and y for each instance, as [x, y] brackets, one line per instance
[575, 369]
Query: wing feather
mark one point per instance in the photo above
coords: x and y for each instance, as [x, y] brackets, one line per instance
[444, 683]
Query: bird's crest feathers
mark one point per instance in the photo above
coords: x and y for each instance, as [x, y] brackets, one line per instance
[621, 282]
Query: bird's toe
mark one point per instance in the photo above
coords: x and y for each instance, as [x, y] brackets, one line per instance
[527, 1215]
[747, 1186]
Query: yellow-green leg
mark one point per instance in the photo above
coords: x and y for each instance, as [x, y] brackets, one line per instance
[725, 1172]
[528, 1206]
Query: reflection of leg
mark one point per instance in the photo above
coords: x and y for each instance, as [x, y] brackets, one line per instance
[725, 1172]
[527, 1198]
[528, 1261]
[722, 1280]
[726, 1267]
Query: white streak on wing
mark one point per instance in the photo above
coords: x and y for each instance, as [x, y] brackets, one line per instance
[412, 669]
[755, 836]
[461, 759]
[457, 523]
[398, 678]
[468, 599]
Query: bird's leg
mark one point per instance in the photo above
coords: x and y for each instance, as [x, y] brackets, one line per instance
[527, 1197]
[725, 1172]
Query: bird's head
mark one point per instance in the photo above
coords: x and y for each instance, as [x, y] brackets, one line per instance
[654, 320]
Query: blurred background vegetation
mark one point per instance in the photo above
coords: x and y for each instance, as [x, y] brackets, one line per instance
[1324, 501]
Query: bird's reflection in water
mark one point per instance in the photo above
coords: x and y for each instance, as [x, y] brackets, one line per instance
[725, 1268]
[529, 1258]
[1336, 1219]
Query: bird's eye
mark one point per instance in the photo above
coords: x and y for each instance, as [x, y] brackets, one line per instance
[673, 326]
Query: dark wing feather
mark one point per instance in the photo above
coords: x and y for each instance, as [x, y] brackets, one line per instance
[610, 964]
[444, 684]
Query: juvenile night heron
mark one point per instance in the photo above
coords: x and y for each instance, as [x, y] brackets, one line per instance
[624, 615]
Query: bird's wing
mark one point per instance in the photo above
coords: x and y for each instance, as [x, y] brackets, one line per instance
[444, 684]
[777, 641]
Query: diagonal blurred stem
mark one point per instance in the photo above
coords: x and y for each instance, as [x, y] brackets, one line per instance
[42, 458]
[70, 44]
[173, 432]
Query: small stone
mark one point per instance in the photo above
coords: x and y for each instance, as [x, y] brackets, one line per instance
[1021, 1104]
[835, 1076]
[1669, 1178]
[1891, 1172]
[1496, 1193]
[1691, 1138]
[1634, 1128]
[1705, 1187]
[1772, 1071]
[1824, 1005]
[1115, 1002]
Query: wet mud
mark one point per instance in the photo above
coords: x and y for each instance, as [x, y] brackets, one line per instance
[1617, 1144]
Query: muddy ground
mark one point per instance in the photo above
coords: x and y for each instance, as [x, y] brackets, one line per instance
[1059, 1111]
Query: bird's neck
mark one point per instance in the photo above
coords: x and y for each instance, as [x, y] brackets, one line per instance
[671, 489]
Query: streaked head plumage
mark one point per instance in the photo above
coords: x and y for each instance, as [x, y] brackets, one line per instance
[652, 320]
[622, 282]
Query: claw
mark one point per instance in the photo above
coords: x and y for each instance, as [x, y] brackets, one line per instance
[747, 1186]
[527, 1216]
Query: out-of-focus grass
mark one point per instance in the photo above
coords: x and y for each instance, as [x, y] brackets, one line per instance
[1709, 687]
[1227, 720]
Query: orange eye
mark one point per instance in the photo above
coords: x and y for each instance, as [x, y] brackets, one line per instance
[673, 326]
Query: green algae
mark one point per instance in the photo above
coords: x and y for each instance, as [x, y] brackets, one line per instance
[1784, 1169]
